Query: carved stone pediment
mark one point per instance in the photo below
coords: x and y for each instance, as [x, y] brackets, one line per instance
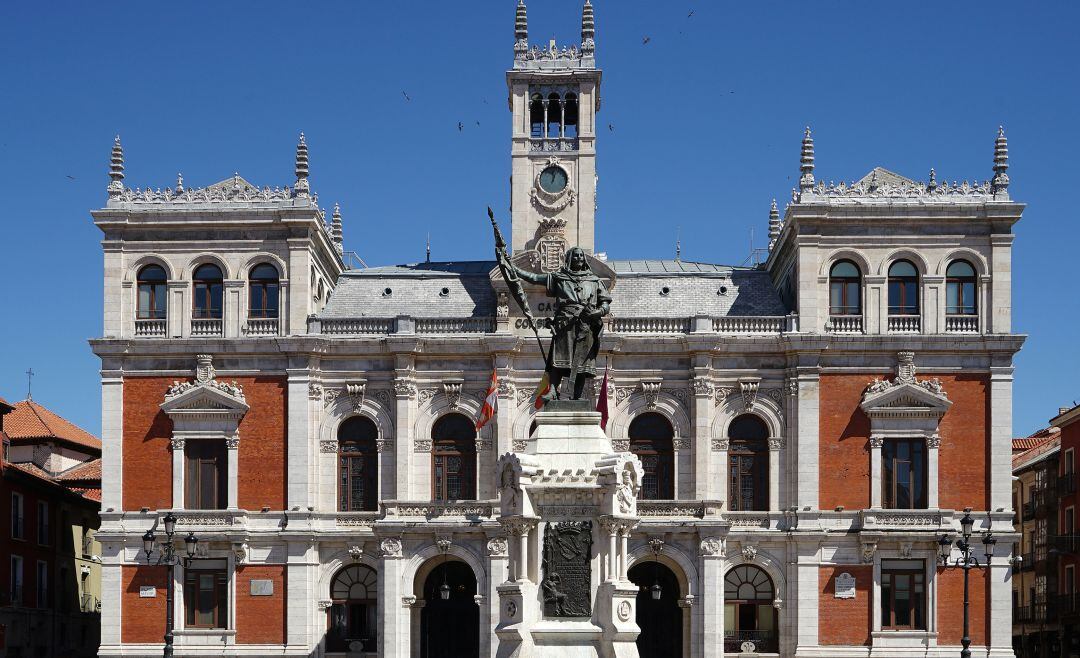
[206, 404]
[205, 398]
[905, 400]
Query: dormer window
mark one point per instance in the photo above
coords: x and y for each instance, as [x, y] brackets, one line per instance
[263, 292]
[207, 302]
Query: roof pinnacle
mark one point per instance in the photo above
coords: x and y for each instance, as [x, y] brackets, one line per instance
[932, 184]
[521, 31]
[774, 225]
[999, 184]
[302, 188]
[116, 170]
[336, 234]
[179, 183]
[806, 163]
[588, 30]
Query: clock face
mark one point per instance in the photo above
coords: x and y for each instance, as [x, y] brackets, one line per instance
[553, 179]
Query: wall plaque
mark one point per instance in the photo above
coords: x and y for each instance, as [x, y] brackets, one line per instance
[262, 587]
[567, 582]
[845, 586]
[147, 592]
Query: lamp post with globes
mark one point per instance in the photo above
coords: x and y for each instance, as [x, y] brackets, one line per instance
[967, 562]
[167, 556]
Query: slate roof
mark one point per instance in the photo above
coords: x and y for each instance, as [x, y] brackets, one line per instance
[463, 289]
[30, 422]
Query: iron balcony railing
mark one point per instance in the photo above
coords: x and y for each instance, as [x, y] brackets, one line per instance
[1028, 510]
[1066, 484]
[1067, 543]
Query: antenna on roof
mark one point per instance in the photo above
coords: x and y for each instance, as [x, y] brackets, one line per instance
[29, 378]
[428, 258]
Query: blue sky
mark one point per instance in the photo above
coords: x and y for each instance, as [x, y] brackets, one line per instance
[706, 120]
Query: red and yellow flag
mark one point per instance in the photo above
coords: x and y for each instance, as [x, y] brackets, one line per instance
[491, 400]
[543, 390]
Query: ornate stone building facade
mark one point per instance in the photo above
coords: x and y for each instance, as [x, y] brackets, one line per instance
[808, 428]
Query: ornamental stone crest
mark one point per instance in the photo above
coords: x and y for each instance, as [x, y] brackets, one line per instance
[356, 552]
[905, 376]
[205, 376]
[390, 547]
[497, 547]
[749, 553]
[749, 390]
[711, 546]
[651, 391]
[453, 393]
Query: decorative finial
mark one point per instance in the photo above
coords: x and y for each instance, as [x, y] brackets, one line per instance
[116, 170]
[427, 258]
[302, 188]
[999, 184]
[179, 183]
[588, 30]
[932, 184]
[521, 31]
[678, 243]
[336, 234]
[806, 163]
[774, 224]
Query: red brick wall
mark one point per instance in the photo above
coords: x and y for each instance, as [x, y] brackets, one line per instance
[845, 621]
[260, 619]
[1070, 439]
[143, 619]
[845, 433]
[950, 593]
[262, 453]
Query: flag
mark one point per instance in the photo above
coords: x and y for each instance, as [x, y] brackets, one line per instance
[491, 400]
[601, 402]
[543, 389]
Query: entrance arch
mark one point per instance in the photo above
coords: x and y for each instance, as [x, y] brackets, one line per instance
[352, 617]
[450, 628]
[749, 614]
[661, 620]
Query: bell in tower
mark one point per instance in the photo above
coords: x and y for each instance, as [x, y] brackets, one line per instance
[554, 96]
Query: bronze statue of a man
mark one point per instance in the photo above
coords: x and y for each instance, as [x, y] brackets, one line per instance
[581, 302]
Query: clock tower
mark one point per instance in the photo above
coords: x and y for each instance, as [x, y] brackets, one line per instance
[554, 96]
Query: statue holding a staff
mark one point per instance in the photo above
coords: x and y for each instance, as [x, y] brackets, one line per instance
[581, 302]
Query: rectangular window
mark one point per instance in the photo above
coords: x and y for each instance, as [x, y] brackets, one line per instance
[1070, 580]
[904, 474]
[16, 580]
[1070, 461]
[43, 529]
[42, 584]
[1070, 521]
[903, 594]
[205, 474]
[206, 594]
[17, 528]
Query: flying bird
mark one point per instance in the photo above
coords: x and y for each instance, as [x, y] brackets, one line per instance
[459, 126]
[70, 177]
[478, 123]
[690, 14]
[405, 95]
[611, 127]
[646, 40]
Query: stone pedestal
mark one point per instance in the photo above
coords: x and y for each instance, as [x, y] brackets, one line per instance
[568, 503]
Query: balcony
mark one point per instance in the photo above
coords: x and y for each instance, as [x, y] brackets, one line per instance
[1066, 484]
[262, 327]
[552, 144]
[844, 324]
[1027, 511]
[650, 325]
[961, 324]
[1069, 543]
[905, 324]
[150, 328]
[765, 324]
[455, 325]
[206, 327]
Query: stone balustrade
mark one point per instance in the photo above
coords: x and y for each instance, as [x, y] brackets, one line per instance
[962, 324]
[648, 325]
[905, 324]
[761, 324]
[845, 324]
[262, 327]
[150, 328]
[202, 327]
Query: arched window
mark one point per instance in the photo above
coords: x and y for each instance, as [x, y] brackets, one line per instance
[352, 615]
[748, 464]
[554, 115]
[960, 289]
[358, 465]
[570, 117]
[453, 458]
[845, 289]
[749, 614]
[263, 291]
[651, 437]
[153, 300]
[208, 292]
[903, 288]
[536, 116]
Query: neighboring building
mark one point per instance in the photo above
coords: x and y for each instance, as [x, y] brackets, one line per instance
[313, 424]
[1046, 617]
[50, 562]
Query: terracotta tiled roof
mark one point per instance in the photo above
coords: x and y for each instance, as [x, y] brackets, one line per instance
[32, 469]
[91, 494]
[30, 421]
[1028, 442]
[90, 470]
[5, 403]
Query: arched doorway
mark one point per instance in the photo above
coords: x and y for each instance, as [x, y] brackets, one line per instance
[660, 619]
[450, 627]
[749, 614]
[351, 619]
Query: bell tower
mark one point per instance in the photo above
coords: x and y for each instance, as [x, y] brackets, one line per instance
[554, 94]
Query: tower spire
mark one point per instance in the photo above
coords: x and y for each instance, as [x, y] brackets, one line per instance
[336, 234]
[302, 188]
[774, 225]
[521, 31]
[116, 170]
[588, 30]
[999, 184]
[806, 163]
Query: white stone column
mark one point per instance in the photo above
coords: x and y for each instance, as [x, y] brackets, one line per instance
[1000, 321]
[233, 314]
[711, 606]
[405, 403]
[702, 406]
[395, 613]
[179, 316]
[875, 305]
[284, 325]
[1000, 600]
[933, 306]
[805, 588]
[1001, 405]
[112, 438]
[807, 475]
[301, 446]
[876, 443]
[232, 458]
[300, 284]
[305, 627]
[177, 447]
[118, 316]
[933, 489]
[498, 563]
[775, 445]
[112, 555]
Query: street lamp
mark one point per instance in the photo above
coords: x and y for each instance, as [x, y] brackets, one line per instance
[657, 545]
[167, 556]
[967, 562]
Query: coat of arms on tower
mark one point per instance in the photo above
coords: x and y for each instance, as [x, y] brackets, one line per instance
[552, 244]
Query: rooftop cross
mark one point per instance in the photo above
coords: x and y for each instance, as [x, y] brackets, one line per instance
[29, 379]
